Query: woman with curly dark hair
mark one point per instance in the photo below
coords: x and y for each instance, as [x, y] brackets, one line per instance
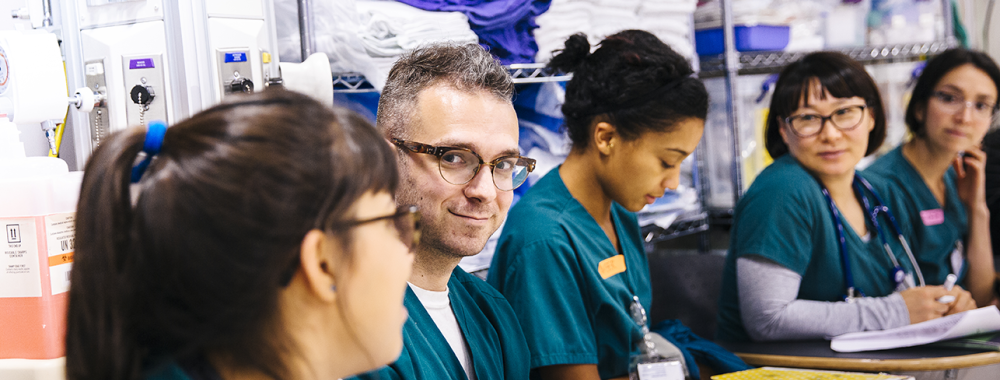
[570, 259]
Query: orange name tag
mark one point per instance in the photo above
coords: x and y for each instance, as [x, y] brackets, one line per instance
[611, 266]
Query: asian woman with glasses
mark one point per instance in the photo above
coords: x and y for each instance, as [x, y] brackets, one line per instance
[257, 239]
[570, 258]
[940, 172]
[814, 251]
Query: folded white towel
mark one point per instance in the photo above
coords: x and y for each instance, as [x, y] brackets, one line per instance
[670, 20]
[389, 29]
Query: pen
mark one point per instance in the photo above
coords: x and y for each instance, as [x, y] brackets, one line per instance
[949, 283]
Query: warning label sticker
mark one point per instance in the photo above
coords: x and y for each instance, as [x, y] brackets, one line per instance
[19, 272]
[60, 230]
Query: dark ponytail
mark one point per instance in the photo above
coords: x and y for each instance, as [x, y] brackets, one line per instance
[102, 340]
[194, 266]
[633, 79]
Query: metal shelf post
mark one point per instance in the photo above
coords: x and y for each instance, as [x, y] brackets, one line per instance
[732, 71]
[306, 29]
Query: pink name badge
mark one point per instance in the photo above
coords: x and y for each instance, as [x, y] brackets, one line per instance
[932, 217]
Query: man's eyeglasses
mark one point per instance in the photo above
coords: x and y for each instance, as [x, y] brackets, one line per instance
[810, 124]
[954, 103]
[406, 220]
[458, 166]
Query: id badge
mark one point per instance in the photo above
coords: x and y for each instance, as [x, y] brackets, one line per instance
[957, 258]
[670, 370]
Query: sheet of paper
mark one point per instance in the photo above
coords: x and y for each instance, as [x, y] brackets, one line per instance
[978, 321]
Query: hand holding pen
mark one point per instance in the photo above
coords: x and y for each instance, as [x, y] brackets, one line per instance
[949, 283]
[959, 299]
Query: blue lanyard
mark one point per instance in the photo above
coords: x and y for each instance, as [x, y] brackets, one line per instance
[898, 275]
[848, 277]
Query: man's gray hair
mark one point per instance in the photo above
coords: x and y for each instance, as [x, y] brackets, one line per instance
[467, 68]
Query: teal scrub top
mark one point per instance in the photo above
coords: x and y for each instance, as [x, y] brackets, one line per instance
[933, 238]
[170, 372]
[495, 341]
[785, 218]
[546, 264]
[194, 368]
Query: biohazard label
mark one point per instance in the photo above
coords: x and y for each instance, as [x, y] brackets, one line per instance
[60, 231]
[19, 274]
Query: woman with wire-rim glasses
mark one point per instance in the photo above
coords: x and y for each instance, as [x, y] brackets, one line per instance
[814, 251]
[940, 172]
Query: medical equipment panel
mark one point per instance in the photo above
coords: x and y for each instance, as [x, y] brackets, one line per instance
[143, 77]
[126, 58]
[94, 72]
[150, 60]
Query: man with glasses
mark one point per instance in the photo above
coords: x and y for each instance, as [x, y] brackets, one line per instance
[447, 110]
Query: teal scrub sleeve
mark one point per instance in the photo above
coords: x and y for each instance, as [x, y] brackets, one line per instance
[547, 296]
[777, 225]
[171, 372]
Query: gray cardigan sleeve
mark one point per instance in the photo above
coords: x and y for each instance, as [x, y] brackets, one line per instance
[770, 310]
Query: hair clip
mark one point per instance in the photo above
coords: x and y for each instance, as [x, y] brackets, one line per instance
[152, 145]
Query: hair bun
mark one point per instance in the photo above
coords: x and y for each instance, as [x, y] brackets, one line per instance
[572, 56]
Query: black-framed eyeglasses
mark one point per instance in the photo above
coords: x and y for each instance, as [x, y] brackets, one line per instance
[458, 166]
[810, 124]
[954, 103]
[406, 220]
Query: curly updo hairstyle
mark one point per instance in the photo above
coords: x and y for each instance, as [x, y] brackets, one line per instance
[634, 80]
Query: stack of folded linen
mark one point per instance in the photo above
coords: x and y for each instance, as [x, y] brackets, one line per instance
[564, 18]
[504, 27]
[608, 17]
[389, 29]
[670, 20]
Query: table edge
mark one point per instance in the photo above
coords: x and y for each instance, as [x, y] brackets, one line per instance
[872, 365]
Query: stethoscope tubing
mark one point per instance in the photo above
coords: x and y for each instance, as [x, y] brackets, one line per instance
[861, 185]
[895, 226]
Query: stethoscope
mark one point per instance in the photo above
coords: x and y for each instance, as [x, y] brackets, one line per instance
[899, 276]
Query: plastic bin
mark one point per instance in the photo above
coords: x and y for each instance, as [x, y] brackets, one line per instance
[38, 197]
[748, 38]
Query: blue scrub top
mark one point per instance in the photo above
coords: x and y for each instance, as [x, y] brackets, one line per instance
[495, 341]
[933, 239]
[546, 264]
[785, 218]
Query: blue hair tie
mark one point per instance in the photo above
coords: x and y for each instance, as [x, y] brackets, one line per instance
[152, 145]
